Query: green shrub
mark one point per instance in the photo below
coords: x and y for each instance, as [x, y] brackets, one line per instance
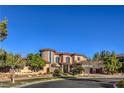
[121, 84]
[57, 72]
[77, 70]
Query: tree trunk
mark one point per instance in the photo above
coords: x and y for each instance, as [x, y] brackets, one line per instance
[12, 77]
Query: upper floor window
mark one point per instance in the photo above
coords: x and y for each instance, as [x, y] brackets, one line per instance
[78, 58]
[50, 56]
[57, 59]
[67, 59]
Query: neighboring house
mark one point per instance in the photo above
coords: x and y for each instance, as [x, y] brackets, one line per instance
[63, 60]
[97, 67]
[120, 57]
[93, 67]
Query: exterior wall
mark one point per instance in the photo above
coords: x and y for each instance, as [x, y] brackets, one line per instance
[45, 68]
[26, 70]
[74, 58]
[81, 58]
[44, 71]
[45, 55]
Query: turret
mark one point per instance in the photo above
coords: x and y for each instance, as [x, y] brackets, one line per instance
[47, 54]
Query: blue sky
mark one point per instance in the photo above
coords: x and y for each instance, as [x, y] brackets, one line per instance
[80, 29]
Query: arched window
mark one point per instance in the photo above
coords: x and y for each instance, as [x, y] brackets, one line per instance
[57, 59]
[67, 59]
[78, 58]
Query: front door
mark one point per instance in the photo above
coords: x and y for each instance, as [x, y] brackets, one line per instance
[48, 70]
[65, 68]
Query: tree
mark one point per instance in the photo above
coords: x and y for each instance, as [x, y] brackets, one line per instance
[104, 54]
[96, 57]
[2, 58]
[14, 62]
[89, 59]
[3, 29]
[112, 64]
[109, 60]
[35, 61]
[101, 56]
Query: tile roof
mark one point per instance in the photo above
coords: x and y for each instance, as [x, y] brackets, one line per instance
[47, 49]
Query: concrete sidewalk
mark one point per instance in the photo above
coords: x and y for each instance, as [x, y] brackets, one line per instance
[101, 76]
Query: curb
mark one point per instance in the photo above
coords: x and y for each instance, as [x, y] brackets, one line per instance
[36, 82]
[115, 85]
[101, 77]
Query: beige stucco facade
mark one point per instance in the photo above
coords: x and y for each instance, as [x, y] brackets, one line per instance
[46, 54]
[78, 58]
[50, 55]
[46, 68]
[53, 57]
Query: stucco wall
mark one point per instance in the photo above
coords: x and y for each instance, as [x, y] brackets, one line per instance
[45, 56]
[44, 71]
[45, 68]
[81, 58]
[26, 70]
[74, 58]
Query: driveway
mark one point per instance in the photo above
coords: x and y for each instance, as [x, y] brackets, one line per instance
[77, 83]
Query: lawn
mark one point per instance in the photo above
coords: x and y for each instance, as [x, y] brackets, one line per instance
[8, 84]
[121, 84]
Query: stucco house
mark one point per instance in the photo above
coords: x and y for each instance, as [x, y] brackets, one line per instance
[65, 61]
[58, 59]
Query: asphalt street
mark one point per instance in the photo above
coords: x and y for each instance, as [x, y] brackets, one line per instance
[76, 83]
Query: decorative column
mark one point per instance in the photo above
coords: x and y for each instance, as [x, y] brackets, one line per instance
[62, 67]
[50, 67]
[68, 68]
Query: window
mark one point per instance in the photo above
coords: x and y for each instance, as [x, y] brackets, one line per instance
[67, 59]
[57, 59]
[78, 58]
[50, 56]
